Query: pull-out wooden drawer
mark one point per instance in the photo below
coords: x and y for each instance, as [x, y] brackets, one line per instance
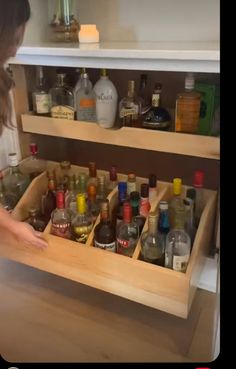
[131, 278]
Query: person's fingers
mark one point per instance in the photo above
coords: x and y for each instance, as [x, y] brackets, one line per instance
[39, 243]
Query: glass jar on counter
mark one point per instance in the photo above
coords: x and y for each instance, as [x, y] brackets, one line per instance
[64, 27]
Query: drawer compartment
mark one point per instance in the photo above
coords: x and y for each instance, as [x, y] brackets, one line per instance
[131, 278]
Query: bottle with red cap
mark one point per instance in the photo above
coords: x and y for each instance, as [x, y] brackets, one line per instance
[35, 165]
[145, 205]
[61, 219]
[198, 183]
[127, 233]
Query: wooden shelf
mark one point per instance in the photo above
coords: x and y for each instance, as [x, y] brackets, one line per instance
[164, 56]
[170, 142]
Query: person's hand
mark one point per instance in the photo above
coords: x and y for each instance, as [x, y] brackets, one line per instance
[25, 233]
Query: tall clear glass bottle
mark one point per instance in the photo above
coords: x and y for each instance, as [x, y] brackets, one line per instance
[35, 165]
[7, 200]
[94, 206]
[41, 97]
[82, 223]
[152, 248]
[176, 202]
[113, 179]
[85, 99]
[187, 111]
[62, 99]
[104, 232]
[130, 108]
[178, 245]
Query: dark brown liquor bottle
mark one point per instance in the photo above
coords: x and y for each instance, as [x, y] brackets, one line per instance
[104, 232]
[48, 202]
[35, 220]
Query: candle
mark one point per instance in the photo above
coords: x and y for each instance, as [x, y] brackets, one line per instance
[88, 33]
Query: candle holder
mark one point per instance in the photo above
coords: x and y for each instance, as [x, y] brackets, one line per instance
[64, 27]
[88, 34]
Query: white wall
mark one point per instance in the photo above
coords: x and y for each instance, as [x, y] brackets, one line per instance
[149, 20]
[37, 27]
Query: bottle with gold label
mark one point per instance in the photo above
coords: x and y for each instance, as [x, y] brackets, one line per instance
[130, 108]
[187, 111]
[62, 99]
[82, 223]
[85, 99]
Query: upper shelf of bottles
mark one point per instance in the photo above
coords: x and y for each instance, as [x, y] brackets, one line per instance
[170, 142]
[164, 56]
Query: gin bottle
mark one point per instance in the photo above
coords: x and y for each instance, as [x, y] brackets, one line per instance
[62, 98]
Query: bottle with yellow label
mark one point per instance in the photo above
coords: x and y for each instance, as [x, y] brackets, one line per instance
[82, 223]
[62, 99]
[187, 111]
[85, 99]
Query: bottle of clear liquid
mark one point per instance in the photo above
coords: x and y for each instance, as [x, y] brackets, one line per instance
[127, 233]
[131, 183]
[130, 108]
[176, 202]
[178, 245]
[62, 99]
[152, 248]
[85, 99]
[61, 219]
[157, 117]
[104, 232]
[41, 97]
[16, 182]
[7, 200]
[35, 165]
[106, 101]
[82, 224]
[187, 112]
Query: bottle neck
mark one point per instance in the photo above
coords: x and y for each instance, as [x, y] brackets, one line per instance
[156, 100]
[15, 170]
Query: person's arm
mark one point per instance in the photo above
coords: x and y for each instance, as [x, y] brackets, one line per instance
[23, 232]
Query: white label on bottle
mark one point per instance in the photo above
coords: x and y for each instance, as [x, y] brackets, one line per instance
[42, 103]
[106, 246]
[180, 263]
[126, 112]
[63, 112]
[131, 187]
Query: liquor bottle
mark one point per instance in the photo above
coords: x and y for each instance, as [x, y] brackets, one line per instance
[16, 182]
[176, 202]
[145, 205]
[62, 98]
[35, 220]
[131, 183]
[130, 108]
[163, 222]
[157, 117]
[101, 188]
[82, 223]
[41, 97]
[136, 217]
[63, 174]
[64, 27]
[104, 232]
[122, 197]
[178, 245]
[94, 206]
[35, 165]
[127, 233]
[152, 248]
[187, 112]
[70, 197]
[113, 179]
[48, 201]
[199, 201]
[143, 94]
[92, 174]
[7, 200]
[61, 219]
[106, 101]
[85, 99]
[189, 225]
[81, 184]
[152, 181]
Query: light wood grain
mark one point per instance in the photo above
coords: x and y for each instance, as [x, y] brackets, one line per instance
[177, 143]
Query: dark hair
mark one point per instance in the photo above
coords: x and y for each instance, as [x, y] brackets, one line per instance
[13, 14]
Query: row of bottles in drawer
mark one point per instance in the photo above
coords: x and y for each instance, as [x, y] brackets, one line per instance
[99, 103]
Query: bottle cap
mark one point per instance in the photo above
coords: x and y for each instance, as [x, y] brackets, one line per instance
[65, 165]
[163, 205]
[33, 148]
[122, 187]
[13, 161]
[198, 178]
[60, 199]
[177, 183]
[134, 195]
[152, 180]
[144, 190]
[131, 177]
[189, 81]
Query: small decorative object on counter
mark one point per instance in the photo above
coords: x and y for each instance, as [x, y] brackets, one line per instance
[88, 34]
[64, 27]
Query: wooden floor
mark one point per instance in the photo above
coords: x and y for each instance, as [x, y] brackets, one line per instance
[45, 318]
